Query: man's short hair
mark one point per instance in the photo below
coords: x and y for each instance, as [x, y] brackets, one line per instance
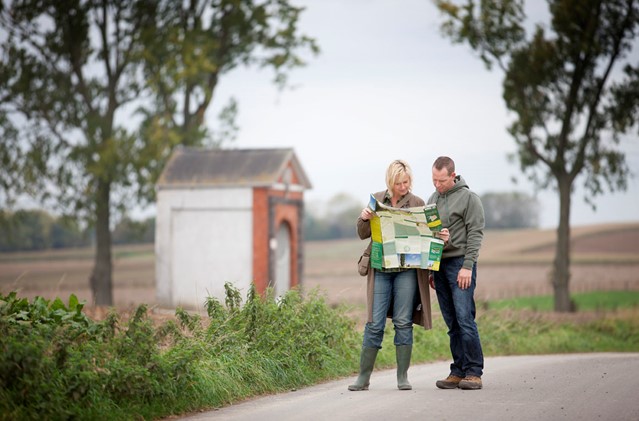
[444, 162]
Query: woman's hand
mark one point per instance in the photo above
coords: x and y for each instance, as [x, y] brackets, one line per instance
[366, 214]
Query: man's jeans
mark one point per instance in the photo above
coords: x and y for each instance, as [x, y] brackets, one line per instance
[400, 288]
[458, 309]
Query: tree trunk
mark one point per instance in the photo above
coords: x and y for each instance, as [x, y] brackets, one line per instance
[101, 283]
[561, 269]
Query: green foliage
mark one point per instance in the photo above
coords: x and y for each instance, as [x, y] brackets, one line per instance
[57, 363]
[28, 230]
[188, 47]
[526, 325]
[572, 106]
[25, 230]
[511, 330]
[65, 87]
[128, 231]
[66, 232]
[587, 301]
[505, 333]
[61, 88]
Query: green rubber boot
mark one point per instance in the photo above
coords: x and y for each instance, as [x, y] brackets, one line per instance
[402, 353]
[366, 363]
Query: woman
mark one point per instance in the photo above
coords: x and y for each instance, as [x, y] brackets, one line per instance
[405, 289]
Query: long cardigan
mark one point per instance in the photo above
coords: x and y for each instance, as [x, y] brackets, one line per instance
[422, 312]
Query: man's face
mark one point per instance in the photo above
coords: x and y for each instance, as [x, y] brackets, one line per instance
[442, 180]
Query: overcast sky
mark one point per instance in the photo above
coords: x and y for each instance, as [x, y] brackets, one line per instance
[387, 85]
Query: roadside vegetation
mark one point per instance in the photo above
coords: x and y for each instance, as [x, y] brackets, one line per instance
[606, 321]
[587, 301]
[58, 363]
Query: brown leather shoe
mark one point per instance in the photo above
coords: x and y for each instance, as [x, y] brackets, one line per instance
[470, 383]
[450, 382]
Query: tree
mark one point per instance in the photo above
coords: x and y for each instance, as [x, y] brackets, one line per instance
[510, 210]
[128, 231]
[572, 100]
[189, 46]
[73, 73]
[333, 220]
[37, 230]
[66, 232]
[68, 68]
[25, 230]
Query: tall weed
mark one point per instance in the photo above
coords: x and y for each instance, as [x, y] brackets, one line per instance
[57, 363]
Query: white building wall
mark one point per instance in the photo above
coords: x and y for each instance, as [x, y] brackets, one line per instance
[204, 238]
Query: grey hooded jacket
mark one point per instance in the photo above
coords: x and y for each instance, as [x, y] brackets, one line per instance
[462, 213]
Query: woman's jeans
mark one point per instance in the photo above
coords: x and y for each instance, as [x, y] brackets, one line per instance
[400, 289]
[458, 309]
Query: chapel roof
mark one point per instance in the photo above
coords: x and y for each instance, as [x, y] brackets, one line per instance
[199, 167]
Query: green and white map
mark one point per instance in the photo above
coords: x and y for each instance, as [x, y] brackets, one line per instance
[405, 238]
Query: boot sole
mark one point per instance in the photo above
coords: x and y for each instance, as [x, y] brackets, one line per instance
[447, 385]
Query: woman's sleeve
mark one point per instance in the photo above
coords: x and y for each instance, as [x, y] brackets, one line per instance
[363, 228]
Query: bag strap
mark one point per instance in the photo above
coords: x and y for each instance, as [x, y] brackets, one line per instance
[367, 250]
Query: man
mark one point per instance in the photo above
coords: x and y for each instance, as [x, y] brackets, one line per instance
[462, 213]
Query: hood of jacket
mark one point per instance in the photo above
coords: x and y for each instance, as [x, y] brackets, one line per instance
[461, 211]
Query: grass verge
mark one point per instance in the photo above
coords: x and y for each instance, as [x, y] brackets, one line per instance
[589, 301]
[56, 363]
[607, 321]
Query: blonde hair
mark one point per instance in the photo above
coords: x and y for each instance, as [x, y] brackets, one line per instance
[396, 169]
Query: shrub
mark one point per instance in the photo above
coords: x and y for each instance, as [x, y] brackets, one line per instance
[57, 363]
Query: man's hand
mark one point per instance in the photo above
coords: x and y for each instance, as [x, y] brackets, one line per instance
[464, 278]
[443, 235]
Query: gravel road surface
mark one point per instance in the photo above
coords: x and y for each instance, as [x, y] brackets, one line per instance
[601, 386]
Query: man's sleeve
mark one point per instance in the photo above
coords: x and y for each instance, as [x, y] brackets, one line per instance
[474, 230]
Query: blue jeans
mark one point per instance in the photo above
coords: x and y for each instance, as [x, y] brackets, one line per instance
[400, 289]
[458, 309]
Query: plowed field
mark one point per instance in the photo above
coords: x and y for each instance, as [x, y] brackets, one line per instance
[512, 263]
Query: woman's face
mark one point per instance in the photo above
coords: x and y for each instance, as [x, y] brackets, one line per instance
[401, 185]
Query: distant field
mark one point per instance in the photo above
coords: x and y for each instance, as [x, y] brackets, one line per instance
[590, 244]
[62, 272]
[513, 263]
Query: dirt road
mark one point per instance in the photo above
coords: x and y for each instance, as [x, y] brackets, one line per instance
[551, 387]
